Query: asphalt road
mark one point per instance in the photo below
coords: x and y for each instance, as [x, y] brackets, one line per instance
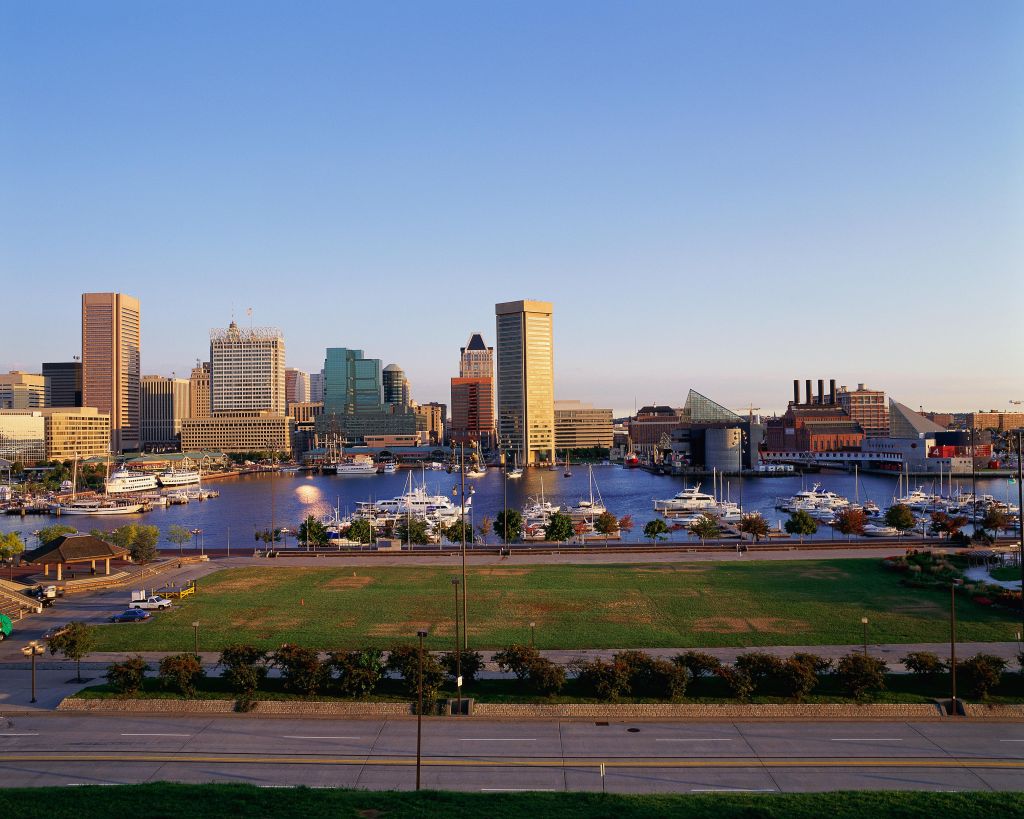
[476, 755]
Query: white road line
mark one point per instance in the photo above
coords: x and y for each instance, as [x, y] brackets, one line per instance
[866, 739]
[289, 736]
[517, 790]
[732, 790]
[496, 739]
[696, 739]
[156, 735]
[5, 734]
[1011, 740]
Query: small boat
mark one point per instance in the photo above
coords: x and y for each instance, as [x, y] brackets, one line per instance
[389, 467]
[873, 530]
[568, 472]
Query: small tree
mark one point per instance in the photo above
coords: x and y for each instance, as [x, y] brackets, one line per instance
[358, 672]
[483, 528]
[851, 522]
[143, 546]
[579, 528]
[606, 523]
[416, 530]
[470, 663]
[48, 534]
[559, 527]
[181, 671]
[11, 545]
[943, 523]
[800, 523]
[754, 525]
[698, 663]
[924, 663]
[455, 531]
[360, 531]
[312, 532]
[516, 659]
[300, 667]
[74, 641]
[981, 673]
[405, 660]
[245, 669]
[127, 677]
[706, 527]
[178, 535]
[626, 524]
[859, 674]
[995, 520]
[655, 529]
[899, 517]
[509, 521]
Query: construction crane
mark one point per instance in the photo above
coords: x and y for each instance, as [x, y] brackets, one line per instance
[750, 411]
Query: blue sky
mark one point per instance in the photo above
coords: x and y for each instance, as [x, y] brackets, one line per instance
[720, 195]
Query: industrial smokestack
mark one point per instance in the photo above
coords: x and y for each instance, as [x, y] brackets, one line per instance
[821, 391]
[796, 390]
[807, 390]
[832, 391]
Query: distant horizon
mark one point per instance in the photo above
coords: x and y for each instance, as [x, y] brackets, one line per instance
[717, 196]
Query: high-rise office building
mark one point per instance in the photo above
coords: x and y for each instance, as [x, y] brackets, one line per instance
[296, 386]
[476, 359]
[111, 346]
[473, 394]
[164, 405]
[525, 379]
[582, 426]
[20, 390]
[316, 387]
[247, 370]
[352, 383]
[199, 391]
[396, 387]
[63, 383]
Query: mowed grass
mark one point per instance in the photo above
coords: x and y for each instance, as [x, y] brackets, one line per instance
[764, 603]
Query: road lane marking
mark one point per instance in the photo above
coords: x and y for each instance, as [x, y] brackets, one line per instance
[517, 790]
[156, 735]
[495, 739]
[5, 734]
[696, 739]
[732, 790]
[290, 736]
[1011, 740]
[866, 739]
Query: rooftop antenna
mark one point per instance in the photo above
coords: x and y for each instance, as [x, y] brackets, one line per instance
[248, 312]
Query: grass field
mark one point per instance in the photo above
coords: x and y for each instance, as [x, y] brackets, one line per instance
[637, 606]
[1006, 573]
[161, 799]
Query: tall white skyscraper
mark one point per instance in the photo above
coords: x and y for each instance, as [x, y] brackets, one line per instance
[247, 370]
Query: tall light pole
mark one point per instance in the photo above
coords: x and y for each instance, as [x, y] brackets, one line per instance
[195, 636]
[864, 625]
[504, 476]
[419, 711]
[1020, 514]
[954, 711]
[458, 650]
[461, 491]
[33, 650]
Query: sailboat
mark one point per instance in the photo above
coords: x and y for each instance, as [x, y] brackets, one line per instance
[589, 509]
[516, 471]
[94, 506]
[567, 473]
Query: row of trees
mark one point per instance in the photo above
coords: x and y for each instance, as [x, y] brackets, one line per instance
[358, 674]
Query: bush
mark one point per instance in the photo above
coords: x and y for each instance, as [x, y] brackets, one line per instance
[602, 679]
[470, 663]
[982, 601]
[301, 668]
[127, 677]
[245, 669]
[924, 663]
[741, 686]
[358, 672]
[545, 677]
[981, 673]
[860, 674]
[404, 659]
[698, 663]
[181, 671]
[761, 667]
[651, 677]
[517, 659]
[799, 675]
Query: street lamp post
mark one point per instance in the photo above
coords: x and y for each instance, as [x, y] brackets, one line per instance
[533, 633]
[1020, 512]
[195, 635]
[461, 491]
[458, 650]
[864, 625]
[953, 710]
[419, 711]
[33, 650]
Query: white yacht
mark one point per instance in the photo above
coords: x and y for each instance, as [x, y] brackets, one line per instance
[125, 480]
[592, 507]
[389, 467]
[812, 499]
[688, 500]
[355, 466]
[874, 530]
[179, 477]
[97, 506]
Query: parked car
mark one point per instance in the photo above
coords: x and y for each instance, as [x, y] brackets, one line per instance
[54, 631]
[141, 601]
[131, 616]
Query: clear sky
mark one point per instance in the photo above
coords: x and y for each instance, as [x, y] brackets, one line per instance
[723, 195]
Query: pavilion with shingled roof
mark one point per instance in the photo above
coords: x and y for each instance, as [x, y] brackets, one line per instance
[70, 549]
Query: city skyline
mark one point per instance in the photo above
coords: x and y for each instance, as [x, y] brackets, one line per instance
[712, 198]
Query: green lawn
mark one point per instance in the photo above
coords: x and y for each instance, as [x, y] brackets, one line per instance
[196, 801]
[764, 603]
[1006, 573]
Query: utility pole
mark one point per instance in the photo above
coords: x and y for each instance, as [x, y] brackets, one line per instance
[458, 650]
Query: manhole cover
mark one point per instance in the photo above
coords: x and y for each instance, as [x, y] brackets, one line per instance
[633, 730]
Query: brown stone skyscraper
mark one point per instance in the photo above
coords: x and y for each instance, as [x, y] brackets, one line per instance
[110, 363]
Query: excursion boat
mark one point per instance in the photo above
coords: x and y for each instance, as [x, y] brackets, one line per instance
[97, 506]
[179, 477]
[125, 480]
[688, 500]
[355, 466]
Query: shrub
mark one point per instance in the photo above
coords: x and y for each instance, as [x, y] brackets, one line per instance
[181, 671]
[301, 668]
[604, 680]
[470, 663]
[860, 674]
[924, 663]
[517, 659]
[651, 677]
[981, 673]
[358, 672]
[982, 601]
[798, 675]
[821, 665]
[245, 669]
[545, 677]
[741, 686]
[127, 677]
[404, 659]
[759, 665]
[698, 663]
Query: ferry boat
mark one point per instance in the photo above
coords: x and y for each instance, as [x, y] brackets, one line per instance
[688, 500]
[97, 506]
[179, 477]
[355, 466]
[125, 480]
